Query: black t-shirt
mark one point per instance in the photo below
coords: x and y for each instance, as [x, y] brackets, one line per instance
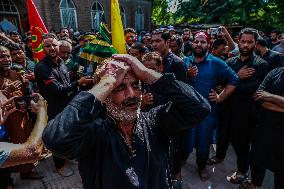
[274, 59]
[248, 86]
[274, 84]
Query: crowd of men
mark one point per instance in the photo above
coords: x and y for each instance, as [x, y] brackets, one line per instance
[196, 89]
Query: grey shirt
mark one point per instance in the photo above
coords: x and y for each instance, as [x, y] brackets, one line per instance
[279, 48]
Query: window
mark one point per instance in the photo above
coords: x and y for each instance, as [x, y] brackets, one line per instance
[123, 16]
[139, 19]
[9, 13]
[7, 6]
[97, 13]
[68, 14]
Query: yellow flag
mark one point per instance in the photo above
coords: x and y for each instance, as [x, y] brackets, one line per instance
[117, 31]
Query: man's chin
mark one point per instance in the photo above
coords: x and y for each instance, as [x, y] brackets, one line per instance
[246, 53]
[131, 108]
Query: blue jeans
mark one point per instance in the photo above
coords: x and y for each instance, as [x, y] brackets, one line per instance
[200, 138]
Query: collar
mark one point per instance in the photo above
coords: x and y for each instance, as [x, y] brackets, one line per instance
[51, 63]
[208, 57]
[250, 58]
[168, 56]
[267, 53]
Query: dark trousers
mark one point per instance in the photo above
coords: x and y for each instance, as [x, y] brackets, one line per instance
[5, 178]
[278, 180]
[242, 150]
[59, 163]
[222, 133]
[258, 174]
[200, 138]
[222, 144]
[178, 153]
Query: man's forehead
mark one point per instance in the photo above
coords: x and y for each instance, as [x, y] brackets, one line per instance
[65, 48]
[4, 52]
[50, 41]
[200, 38]
[247, 35]
[16, 51]
[132, 50]
[130, 76]
[156, 36]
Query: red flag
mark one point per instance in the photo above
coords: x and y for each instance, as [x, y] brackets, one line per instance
[37, 30]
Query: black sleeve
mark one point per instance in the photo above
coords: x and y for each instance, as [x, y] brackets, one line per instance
[72, 133]
[265, 85]
[187, 108]
[46, 77]
[180, 70]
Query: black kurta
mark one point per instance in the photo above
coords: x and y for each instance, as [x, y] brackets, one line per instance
[268, 141]
[84, 131]
[240, 114]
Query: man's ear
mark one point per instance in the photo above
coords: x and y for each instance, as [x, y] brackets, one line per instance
[168, 42]
[256, 45]
[161, 68]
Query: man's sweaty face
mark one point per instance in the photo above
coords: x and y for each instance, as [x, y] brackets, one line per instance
[5, 60]
[124, 101]
[51, 47]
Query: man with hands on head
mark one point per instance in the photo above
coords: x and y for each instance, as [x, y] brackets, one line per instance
[54, 84]
[105, 130]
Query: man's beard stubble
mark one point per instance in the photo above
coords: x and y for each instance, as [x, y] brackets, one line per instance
[199, 54]
[121, 113]
[247, 53]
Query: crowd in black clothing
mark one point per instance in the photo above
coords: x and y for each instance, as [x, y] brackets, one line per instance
[249, 118]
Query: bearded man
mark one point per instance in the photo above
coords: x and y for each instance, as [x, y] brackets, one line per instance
[205, 73]
[239, 108]
[118, 146]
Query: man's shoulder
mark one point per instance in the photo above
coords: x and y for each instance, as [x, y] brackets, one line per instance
[177, 59]
[42, 66]
[274, 53]
[216, 60]
[259, 61]
[275, 71]
[276, 46]
[232, 60]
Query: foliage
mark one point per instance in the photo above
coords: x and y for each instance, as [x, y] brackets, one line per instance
[260, 14]
[160, 14]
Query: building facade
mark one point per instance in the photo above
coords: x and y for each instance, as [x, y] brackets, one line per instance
[82, 15]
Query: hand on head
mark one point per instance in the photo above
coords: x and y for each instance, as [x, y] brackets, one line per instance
[141, 72]
[113, 71]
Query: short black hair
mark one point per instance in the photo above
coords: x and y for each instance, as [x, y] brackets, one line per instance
[129, 30]
[14, 33]
[218, 42]
[251, 31]
[152, 56]
[178, 39]
[63, 28]
[275, 31]
[139, 46]
[15, 47]
[262, 42]
[164, 34]
[186, 30]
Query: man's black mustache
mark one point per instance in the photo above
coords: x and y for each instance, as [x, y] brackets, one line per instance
[130, 101]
